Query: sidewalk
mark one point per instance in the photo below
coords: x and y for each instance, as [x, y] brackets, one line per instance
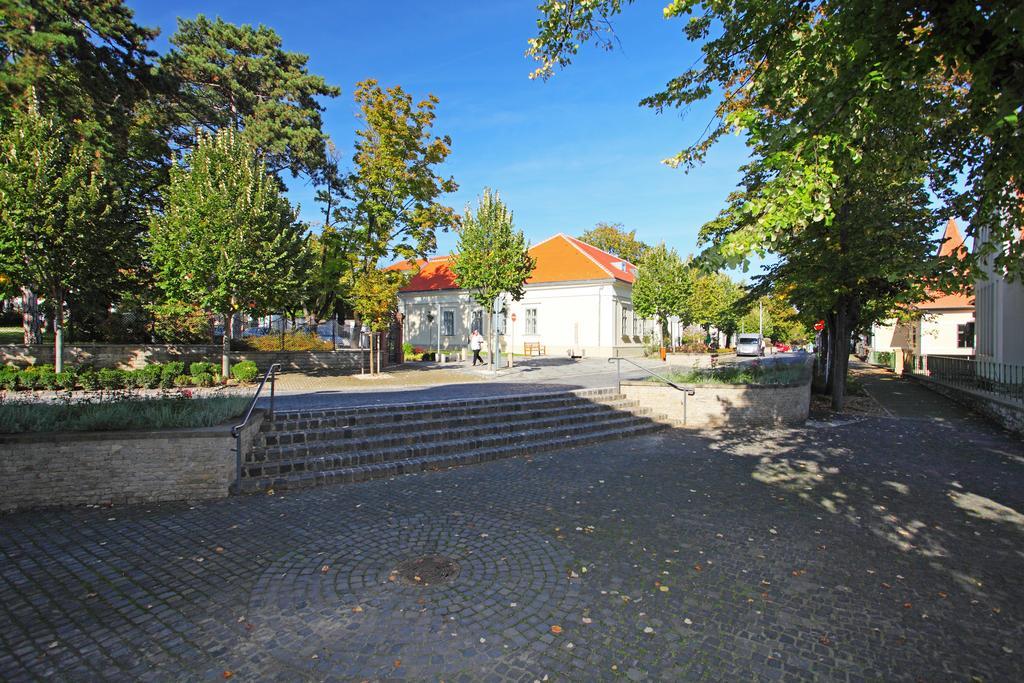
[903, 398]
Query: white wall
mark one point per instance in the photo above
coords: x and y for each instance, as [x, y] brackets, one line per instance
[938, 333]
[999, 306]
[584, 317]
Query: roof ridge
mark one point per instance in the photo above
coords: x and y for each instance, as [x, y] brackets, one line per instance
[576, 245]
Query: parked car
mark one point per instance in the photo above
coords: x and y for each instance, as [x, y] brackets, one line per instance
[749, 345]
[783, 348]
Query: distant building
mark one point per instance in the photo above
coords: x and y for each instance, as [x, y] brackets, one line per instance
[1000, 313]
[944, 324]
[579, 301]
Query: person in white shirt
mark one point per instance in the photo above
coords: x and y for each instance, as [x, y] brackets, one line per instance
[476, 342]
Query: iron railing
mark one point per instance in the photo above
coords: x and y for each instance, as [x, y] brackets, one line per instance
[1003, 379]
[236, 431]
[687, 391]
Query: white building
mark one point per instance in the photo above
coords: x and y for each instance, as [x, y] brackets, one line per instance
[1000, 313]
[944, 324]
[578, 301]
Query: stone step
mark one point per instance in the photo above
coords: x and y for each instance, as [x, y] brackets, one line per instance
[307, 419]
[417, 463]
[455, 421]
[444, 438]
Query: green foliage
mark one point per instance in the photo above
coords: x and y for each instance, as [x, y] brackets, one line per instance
[613, 238]
[151, 375]
[296, 340]
[172, 369]
[375, 297]
[199, 367]
[66, 380]
[165, 413]
[88, 379]
[9, 378]
[492, 256]
[111, 379]
[227, 239]
[245, 371]
[394, 185]
[28, 379]
[203, 379]
[744, 373]
[183, 381]
[178, 322]
[230, 77]
[663, 288]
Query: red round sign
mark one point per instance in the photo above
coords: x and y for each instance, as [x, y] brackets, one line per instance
[820, 325]
[513, 316]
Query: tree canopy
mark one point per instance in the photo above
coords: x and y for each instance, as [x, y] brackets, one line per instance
[227, 239]
[226, 76]
[663, 288]
[613, 238]
[492, 257]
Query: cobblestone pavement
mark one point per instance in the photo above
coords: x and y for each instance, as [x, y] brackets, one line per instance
[873, 549]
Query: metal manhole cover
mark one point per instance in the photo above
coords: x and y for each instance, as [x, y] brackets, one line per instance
[427, 570]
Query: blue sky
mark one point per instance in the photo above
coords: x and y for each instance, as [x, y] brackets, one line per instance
[565, 153]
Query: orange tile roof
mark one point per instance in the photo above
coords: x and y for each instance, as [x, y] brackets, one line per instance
[952, 245]
[559, 259]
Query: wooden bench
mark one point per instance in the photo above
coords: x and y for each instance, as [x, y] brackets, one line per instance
[534, 349]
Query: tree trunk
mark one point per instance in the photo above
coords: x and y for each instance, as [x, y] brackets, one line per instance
[821, 358]
[58, 332]
[840, 358]
[225, 347]
[30, 317]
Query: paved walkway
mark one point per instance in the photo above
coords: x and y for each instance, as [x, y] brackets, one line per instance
[879, 549]
[904, 398]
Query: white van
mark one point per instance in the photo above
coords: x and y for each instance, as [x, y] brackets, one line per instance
[749, 345]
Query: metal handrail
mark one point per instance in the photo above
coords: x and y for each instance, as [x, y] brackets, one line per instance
[687, 391]
[236, 431]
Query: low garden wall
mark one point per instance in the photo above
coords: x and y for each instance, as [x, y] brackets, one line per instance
[131, 356]
[724, 405]
[1007, 413]
[79, 468]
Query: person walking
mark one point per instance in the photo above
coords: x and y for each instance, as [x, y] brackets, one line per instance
[476, 342]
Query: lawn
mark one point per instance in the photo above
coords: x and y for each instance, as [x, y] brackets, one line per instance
[161, 413]
[15, 335]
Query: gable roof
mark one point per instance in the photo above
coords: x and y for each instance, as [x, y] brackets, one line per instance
[952, 245]
[560, 258]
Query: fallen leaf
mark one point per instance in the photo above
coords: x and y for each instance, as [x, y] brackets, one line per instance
[907, 605]
[324, 569]
[398, 663]
[228, 674]
[218, 549]
[698, 568]
[825, 640]
[357, 608]
[663, 589]
[556, 629]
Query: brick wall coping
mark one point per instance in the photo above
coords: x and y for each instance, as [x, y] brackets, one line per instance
[655, 382]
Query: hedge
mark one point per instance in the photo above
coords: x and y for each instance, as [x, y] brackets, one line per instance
[152, 376]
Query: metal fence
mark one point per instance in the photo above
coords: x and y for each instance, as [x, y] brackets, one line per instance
[1002, 379]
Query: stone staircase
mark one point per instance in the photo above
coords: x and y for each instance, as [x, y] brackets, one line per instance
[314, 447]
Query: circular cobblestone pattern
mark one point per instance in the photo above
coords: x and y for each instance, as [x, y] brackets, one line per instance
[423, 571]
[328, 607]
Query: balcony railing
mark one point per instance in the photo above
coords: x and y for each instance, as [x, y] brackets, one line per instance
[1002, 379]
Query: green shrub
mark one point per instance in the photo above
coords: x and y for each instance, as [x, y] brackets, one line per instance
[173, 369]
[28, 379]
[183, 381]
[408, 350]
[290, 341]
[151, 375]
[109, 378]
[9, 378]
[202, 367]
[245, 371]
[203, 379]
[134, 379]
[111, 415]
[66, 380]
[89, 380]
[47, 379]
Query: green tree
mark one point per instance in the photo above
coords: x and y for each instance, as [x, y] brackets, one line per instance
[239, 78]
[56, 231]
[227, 240]
[393, 210]
[814, 82]
[613, 238]
[662, 288]
[493, 258]
[375, 300]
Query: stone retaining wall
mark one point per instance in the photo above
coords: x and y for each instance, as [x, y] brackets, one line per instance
[129, 356]
[724, 405]
[79, 468]
[1009, 414]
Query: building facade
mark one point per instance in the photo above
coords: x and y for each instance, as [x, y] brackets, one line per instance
[577, 302]
[1000, 313]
